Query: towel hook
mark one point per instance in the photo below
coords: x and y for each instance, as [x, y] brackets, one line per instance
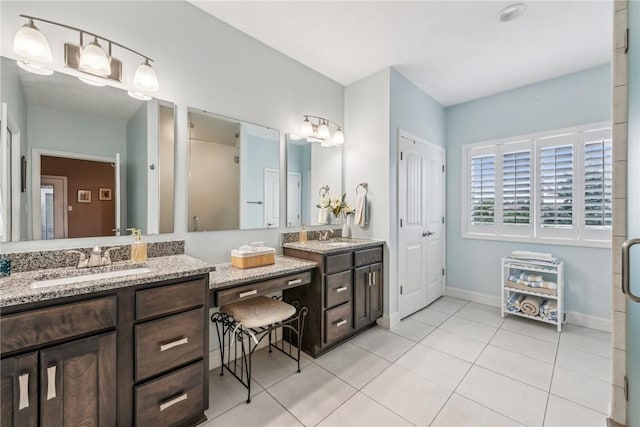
[323, 191]
[364, 185]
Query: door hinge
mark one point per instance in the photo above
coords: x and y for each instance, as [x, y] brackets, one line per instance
[564, 317]
[443, 271]
[400, 222]
[442, 168]
[191, 126]
[401, 289]
[443, 220]
[626, 388]
[401, 155]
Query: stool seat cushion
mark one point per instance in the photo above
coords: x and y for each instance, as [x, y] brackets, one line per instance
[259, 311]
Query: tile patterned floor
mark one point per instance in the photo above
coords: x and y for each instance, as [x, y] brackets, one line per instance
[455, 363]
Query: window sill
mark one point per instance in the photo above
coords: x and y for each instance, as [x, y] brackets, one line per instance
[540, 241]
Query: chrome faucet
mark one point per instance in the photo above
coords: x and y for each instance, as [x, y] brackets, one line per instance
[324, 235]
[96, 259]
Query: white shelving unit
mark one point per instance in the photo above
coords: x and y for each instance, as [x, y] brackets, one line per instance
[550, 271]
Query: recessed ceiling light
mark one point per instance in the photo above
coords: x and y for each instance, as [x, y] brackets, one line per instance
[511, 12]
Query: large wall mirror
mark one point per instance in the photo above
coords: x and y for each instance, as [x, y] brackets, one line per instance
[234, 174]
[81, 161]
[311, 170]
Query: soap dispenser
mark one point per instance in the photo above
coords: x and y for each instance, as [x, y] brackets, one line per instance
[138, 247]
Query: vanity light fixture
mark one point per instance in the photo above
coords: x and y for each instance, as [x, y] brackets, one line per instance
[100, 67]
[511, 12]
[317, 130]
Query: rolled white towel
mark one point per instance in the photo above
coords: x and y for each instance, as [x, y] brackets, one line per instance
[531, 277]
[531, 305]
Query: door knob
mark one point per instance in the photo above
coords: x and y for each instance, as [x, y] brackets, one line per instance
[428, 233]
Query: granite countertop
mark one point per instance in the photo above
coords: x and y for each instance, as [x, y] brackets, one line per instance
[330, 246]
[226, 275]
[16, 289]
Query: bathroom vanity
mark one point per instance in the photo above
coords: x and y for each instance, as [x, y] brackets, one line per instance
[129, 350]
[346, 294]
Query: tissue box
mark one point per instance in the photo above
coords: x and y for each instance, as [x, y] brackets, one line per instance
[254, 258]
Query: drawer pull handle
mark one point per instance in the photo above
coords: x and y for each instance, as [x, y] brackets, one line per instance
[248, 293]
[340, 323]
[294, 282]
[170, 403]
[176, 343]
[369, 276]
[51, 382]
[24, 391]
[340, 289]
[374, 274]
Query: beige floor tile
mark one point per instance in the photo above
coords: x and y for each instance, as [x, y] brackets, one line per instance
[263, 410]
[539, 330]
[579, 388]
[412, 329]
[408, 395]
[361, 410]
[225, 392]
[435, 366]
[311, 395]
[564, 413]
[586, 343]
[467, 328]
[462, 412]
[430, 316]
[269, 368]
[481, 313]
[455, 345]
[513, 365]
[383, 343]
[446, 306]
[525, 345]
[518, 401]
[353, 364]
[584, 363]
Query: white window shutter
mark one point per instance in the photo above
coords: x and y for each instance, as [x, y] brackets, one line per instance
[516, 189]
[597, 191]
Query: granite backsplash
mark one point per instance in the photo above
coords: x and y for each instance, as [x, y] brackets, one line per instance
[311, 235]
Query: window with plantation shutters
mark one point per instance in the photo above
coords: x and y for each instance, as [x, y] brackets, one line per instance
[516, 187]
[556, 186]
[552, 187]
[483, 190]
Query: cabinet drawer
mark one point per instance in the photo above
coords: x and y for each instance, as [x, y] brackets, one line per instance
[338, 288]
[169, 299]
[368, 256]
[337, 323]
[226, 296]
[37, 327]
[172, 400]
[166, 343]
[336, 263]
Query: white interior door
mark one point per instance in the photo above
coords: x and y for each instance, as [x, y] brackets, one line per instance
[294, 202]
[421, 230]
[53, 207]
[271, 198]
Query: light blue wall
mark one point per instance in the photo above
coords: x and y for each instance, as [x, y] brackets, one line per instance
[575, 99]
[262, 154]
[136, 172]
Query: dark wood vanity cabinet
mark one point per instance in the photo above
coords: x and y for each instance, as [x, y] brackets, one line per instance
[131, 356]
[344, 298]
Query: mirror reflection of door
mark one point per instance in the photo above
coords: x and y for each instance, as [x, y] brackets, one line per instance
[294, 199]
[78, 197]
[53, 200]
[271, 198]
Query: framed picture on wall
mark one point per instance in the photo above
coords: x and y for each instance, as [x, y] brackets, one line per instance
[104, 194]
[84, 196]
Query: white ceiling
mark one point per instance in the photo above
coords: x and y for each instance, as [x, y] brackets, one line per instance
[455, 51]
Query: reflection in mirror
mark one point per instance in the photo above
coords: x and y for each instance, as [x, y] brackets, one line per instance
[81, 161]
[310, 167]
[234, 170]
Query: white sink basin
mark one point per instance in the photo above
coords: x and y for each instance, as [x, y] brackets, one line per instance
[36, 284]
[338, 243]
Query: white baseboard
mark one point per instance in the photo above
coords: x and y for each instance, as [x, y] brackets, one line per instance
[389, 321]
[472, 296]
[589, 321]
[573, 317]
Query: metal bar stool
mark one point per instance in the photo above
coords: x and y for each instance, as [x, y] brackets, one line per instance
[244, 324]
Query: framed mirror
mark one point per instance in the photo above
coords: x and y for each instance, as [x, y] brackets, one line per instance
[312, 170]
[81, 161]
[234, 174]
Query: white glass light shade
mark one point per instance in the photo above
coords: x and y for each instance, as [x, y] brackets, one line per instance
[145, 78]
[323, 131]
[34, 68]
[31, 44]
[140, 96]
[338, 137]
[306, 128]
[94, 60]
[326, 143]
[92, 81]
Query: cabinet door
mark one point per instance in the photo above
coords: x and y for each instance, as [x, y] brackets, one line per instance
[375, 292]
[78, 383]
[18, 393]
[360, 290]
